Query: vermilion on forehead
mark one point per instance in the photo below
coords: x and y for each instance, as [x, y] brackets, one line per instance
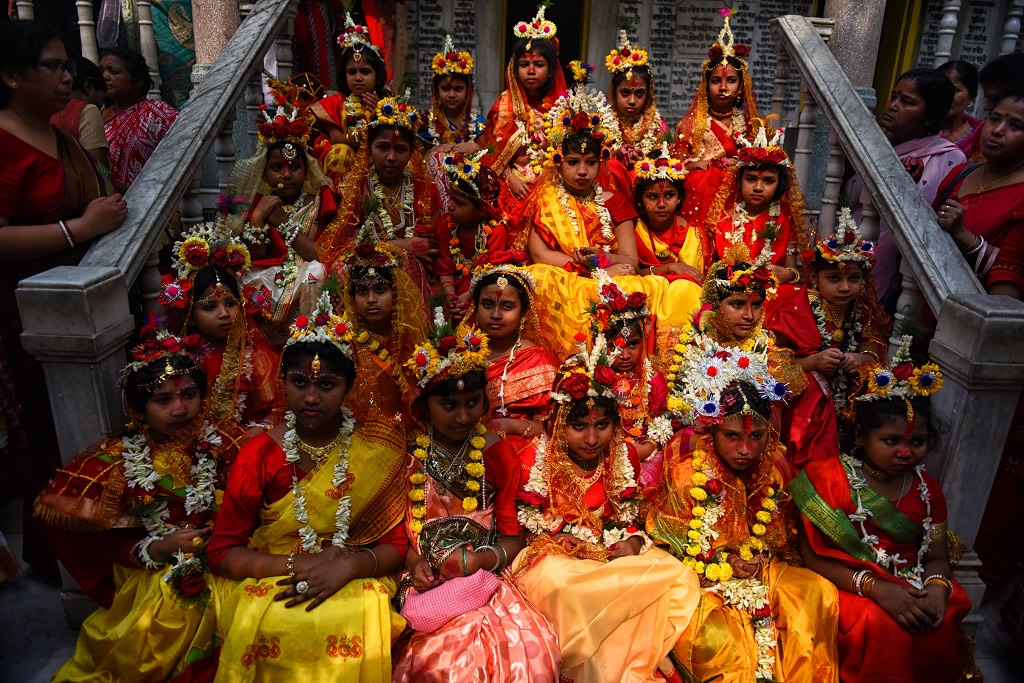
[724, 71]
[661, 186]
[533, 56]
[499, 294]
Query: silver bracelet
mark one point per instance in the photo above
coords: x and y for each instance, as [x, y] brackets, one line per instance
[497, 556]
[374, 556]
[858, 581]
[67, 233]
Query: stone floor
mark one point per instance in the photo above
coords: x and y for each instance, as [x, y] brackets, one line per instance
[35, 639]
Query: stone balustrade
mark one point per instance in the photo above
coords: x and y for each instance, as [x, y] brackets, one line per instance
[976, 341]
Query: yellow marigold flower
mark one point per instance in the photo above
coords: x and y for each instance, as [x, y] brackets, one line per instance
[383, 353]
[374, 344]
[690, 562]
[363, 336]
[469, 504]
[419, 511]
[420, 454]
[423, 440]
[693, 535]
[696, 524]
[673, 368]
[475, 469]
[677, 360]
[480, 429]
[416, 525]
[712, 571]
[698, 511]
[757, 544]
[699, 479]
[760, 529]
[675, 404]
[724, 571]
[680, 348]
[670, 377]
[698, 493]
[476, 455]
[769, 491]
[699, 567]
[473, 485]
[693, 549]
[417, 478]
[477, 442]
[745, 553]
[763, 516]
[416, 495]
[768, 504]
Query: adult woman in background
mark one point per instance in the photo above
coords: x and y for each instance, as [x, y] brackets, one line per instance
[81, 117]
[51, 202]
[961, 128]
[912, 119]
[134, 124]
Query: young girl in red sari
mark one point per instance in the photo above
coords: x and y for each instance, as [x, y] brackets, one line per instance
[453, 125]
[631, 95]
[722, 106]
[516, 120]
[206, 298]
[874, 524]
[833, 326]
[462, 526]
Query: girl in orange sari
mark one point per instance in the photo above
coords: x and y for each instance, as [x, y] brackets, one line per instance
[618, 605]
[461, 522]
[207, 298]
[722, 106]
[722, 509]
[875, 525]
[515, 122]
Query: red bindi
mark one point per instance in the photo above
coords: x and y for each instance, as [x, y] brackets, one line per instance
[748, 423]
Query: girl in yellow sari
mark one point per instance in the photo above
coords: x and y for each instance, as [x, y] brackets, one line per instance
[723, 509]
[617, 604]
[130, 520]
[311, 518]
[576, 227]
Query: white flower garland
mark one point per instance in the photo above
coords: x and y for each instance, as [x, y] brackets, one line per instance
[840, 378]
[607, 229]
[742, 218]
[342, 516]
[751, 595]
[136, 457]
[651, 137]
[407, 206]
[893, 563]
[246, 373]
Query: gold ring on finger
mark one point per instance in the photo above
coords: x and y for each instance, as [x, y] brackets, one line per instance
[196, 542]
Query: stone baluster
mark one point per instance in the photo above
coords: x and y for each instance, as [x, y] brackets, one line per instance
[224, 154]
[87, 31]
[192, 202]
[283, 44]
[147, 43]
[802, 157]
[1011, 28]
[869, 227]
[25, 9]
[833, 183]
[908, 309]
[780, 81]
[148, 283]
[253, 92]
[947, 31]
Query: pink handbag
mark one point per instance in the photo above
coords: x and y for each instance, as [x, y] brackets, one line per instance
[429, 611]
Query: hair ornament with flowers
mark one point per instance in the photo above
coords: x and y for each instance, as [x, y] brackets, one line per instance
[900, 379]
[510, 263]
[357, 38]
[587, 374]
[290, 122]
[725, 45]
[451, 352]
[762, 149]
[157, 345]
[203, 245]
[369, 253]
[736, 272]
[537, 28]
[323, 326]
[626, 56]
[845, 244]
[451, 61]
[659, 165]
[614, 305]
[702, 373]
[465, 168]
[582, 109]
[397, 112]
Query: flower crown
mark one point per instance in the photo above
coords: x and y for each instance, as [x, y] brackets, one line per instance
[614, 305]
[539, 28]
[587, 374]
[900, 379]
[508, 263]
[582, 109]
[451, 353]
[703, 372]
[205, 244]
[845, 244]
[156, 344]
[464, 167]
[395, 111]
[726, 45]
[762, 149]
[449, 61]
[659, 165]
[370, 253]
[323, 326]
[737, 273]
[289, 123]
[356, 37]
[626, 56]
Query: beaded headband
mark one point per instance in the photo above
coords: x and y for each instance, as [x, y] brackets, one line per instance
[509, 263]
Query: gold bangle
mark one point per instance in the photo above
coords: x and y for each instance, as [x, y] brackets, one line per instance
[289, 565]
[796, 275]
[529, 430]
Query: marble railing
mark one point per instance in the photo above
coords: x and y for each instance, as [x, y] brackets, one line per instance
[977, 339]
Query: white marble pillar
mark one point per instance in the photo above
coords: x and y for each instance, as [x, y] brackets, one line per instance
[947, 31]
[833, 183]
[1011, 27]
[25, 9]
[806, 123]
[87, 31]
[147, 45]
[855, 38]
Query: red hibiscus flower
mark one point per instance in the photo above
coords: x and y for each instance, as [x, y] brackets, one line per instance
[196, 254]
[220, 258]
[605, 375]
[580, 337]
[577, 385]
[580, 120]
[741, 50]
[903, 371]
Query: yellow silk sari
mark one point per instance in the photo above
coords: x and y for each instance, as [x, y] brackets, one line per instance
[566, 297]
[349, 636]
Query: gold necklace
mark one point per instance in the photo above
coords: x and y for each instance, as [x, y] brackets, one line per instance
[983, 186]
[319, 453]
[833, 313]
[879, 474]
